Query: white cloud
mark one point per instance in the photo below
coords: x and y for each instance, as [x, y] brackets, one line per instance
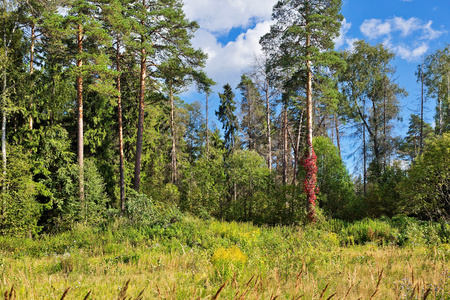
[227, 62]
[406, 27]
[430, 33]
[412, 54]
[375, 28]
[221, 15]
[408, 38]
[341, 39]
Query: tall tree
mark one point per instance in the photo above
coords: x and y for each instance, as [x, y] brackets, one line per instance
[118, 27]
[10, 24]
[160, 32]
[437, 80]
[269, 90]
[252, 109]
[419, 133]
[299, 41]
[226, 115]
[177, 75]
[81, 29]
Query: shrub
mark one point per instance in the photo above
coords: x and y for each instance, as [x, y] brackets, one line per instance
[19, 210]
[426, 190]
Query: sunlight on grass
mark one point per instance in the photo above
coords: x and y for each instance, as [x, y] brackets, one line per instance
[196, 259]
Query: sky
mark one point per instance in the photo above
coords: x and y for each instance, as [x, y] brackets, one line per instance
[230, 31]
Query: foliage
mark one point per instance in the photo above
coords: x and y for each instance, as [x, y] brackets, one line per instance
[226, 115]
[257, 262]
[248, 176]
[429, 196]
[383, 197]
[228, 261]
[335, 184]
[20, 211]
[139, 209]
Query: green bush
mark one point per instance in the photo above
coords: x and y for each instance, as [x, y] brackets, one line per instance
[19, 210]
[370, 230]
[426, 190]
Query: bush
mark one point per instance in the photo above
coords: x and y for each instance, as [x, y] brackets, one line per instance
[334, 182]
[368, 230]
[426, 190]
[19, 210]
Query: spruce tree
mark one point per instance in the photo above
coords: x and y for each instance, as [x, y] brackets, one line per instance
[226, 115]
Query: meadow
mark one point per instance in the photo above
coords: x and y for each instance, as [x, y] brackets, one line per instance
[190, 258]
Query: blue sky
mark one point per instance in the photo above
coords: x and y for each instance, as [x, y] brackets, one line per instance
[230, 31]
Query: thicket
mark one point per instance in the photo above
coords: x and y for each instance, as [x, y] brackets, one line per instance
[94, 130]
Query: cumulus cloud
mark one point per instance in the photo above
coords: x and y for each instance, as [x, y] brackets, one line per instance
[412, 54]
[227, 62]
[408, 38]
[220, 16]
[376, 28]
[342, 38]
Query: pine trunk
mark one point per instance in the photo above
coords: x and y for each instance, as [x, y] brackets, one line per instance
[33, 40]
[206, 123]
[80, 138]
[285, 145]
[364, 152]
[139, 138]
[421, 110]
[310, 157]
[269, 137]
[338, 139]
[119, 109]
[172, 130]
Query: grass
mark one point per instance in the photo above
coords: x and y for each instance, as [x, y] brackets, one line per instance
[195, 259]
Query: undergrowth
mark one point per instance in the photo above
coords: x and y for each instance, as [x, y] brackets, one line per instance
[189, 258]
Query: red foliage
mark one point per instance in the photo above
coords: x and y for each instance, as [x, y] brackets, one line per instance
[309, 162]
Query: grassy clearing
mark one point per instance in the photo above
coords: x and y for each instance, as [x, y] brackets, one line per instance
[194, 259]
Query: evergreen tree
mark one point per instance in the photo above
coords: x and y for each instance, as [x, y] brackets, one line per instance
[300, 42]
[252, 110]
[160, 32]
[226, 115]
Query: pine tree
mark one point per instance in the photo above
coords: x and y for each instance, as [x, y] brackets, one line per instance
[299, 42]
[82, 31]
[160, 32]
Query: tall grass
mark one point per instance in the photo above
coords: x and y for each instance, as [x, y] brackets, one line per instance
[194, 259]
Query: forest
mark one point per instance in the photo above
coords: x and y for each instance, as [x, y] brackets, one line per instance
[94, 127]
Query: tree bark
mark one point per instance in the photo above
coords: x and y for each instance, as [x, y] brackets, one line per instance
[421, 110]
[311, 170]
[285, 144]
[297, 150]
[33, 41]
[137, 169]
[172, 130]
[206, 123]
[338, 139]
[364, 150]
[119, 110]
[80, 138]
[269, 137]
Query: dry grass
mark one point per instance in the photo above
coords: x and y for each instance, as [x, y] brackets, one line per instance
[283, 270]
